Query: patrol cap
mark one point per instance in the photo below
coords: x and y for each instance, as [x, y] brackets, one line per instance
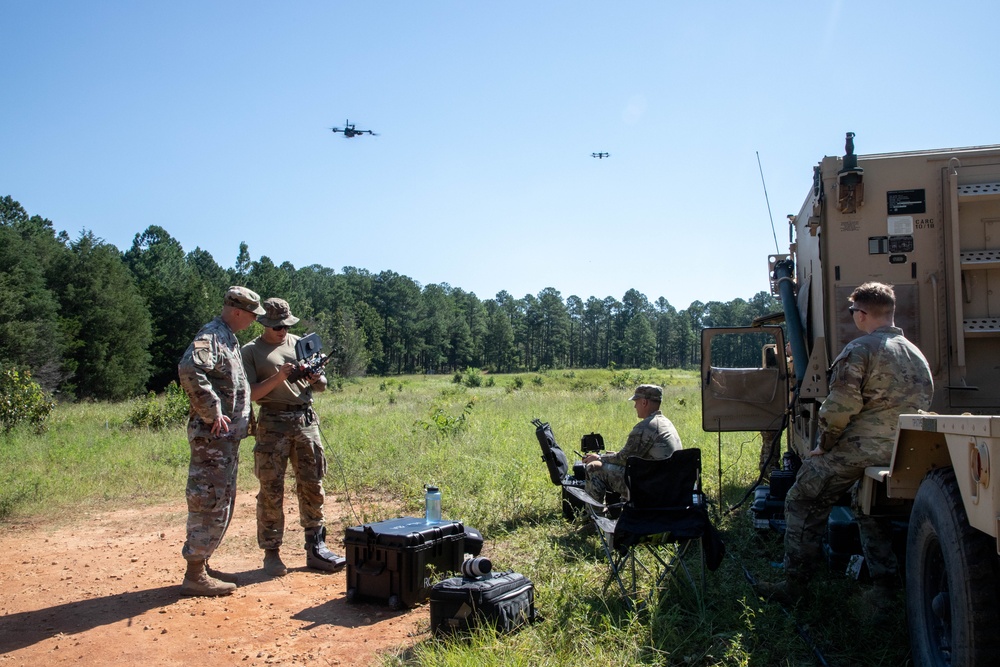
[277, 313]
[244, 299]
[648, 391]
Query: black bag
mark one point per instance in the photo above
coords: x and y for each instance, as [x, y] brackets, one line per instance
[552, 454]
[505, 600]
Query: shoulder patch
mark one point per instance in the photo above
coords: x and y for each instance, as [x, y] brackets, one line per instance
[202, 352]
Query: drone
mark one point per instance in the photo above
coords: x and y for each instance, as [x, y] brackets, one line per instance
[350, 131]
[600, 156]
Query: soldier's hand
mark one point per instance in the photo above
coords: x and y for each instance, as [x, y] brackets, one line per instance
[221, 425]
[286, 369]
[818, 451]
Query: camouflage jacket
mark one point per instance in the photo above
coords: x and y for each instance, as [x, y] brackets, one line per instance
[211, 372]
[876, 378]
[653, 438]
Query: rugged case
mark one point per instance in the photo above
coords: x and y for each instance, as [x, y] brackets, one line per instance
[391, 561]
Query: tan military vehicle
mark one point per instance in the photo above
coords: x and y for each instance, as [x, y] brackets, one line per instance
[927, 222]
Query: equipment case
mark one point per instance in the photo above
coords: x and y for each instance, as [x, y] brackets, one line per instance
[505, 601]
[388, 561]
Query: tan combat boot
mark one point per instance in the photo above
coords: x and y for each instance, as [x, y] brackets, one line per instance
[197, 582]
[273, 566]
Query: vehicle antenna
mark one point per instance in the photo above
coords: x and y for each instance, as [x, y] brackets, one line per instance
[774, 233]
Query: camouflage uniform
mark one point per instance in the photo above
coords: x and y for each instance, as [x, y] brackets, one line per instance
[287, 430]
[876, 378]
[653, 438]
[211, 372]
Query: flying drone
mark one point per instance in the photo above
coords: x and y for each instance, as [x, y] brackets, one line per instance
[600, 156]
[349, 130]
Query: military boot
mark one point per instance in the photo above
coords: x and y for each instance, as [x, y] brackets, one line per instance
[197, 582]
[221, 576]
[273, 566]
[318, 557]
[789, 592]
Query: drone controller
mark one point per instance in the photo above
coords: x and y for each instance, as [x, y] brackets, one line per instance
[592, 442]
[309, 359]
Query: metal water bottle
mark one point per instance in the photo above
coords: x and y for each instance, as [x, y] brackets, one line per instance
[432, 504]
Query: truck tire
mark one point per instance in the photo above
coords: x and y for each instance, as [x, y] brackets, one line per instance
[951, 580]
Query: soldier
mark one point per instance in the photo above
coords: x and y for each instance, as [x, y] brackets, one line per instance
[876, 378]
[288, 429]
[652, 438]
[211, 373]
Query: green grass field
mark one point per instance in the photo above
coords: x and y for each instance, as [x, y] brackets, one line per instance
[387, 437]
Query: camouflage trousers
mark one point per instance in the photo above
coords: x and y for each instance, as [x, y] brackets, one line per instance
[821, 481]
[211, 494]
[607, 477]
[770, 452]
[282, 437]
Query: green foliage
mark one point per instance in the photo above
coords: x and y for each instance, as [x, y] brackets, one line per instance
[110, 321]
[445, 425]
[626, 379]
[157, 413]
[22, 401]
[473, 377]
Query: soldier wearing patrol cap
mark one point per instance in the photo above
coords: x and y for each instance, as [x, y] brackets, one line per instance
[287, 430]
[211, 373]
[652, 438]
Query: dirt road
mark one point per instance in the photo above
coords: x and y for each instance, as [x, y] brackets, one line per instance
[103, 590]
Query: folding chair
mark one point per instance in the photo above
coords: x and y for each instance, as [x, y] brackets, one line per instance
[664, 517]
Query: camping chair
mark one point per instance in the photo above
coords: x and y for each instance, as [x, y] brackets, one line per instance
[664, 517]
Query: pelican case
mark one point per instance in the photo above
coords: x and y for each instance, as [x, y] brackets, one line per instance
[390, 561]
[504, 600]
[843, 537]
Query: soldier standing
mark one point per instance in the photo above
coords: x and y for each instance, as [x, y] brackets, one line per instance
[211, 373]
[876, 378]
[652, 438]
[287, 430]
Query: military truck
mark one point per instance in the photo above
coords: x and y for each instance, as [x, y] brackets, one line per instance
[927, 222]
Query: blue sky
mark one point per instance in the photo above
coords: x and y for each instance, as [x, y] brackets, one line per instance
[211, 119]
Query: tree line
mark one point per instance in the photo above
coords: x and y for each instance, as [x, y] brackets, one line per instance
[93, 322]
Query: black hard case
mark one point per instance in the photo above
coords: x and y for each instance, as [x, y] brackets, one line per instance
[843, 537]
[389, 561]
[505, 600]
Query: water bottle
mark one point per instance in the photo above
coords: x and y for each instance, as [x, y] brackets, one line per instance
[432, 504]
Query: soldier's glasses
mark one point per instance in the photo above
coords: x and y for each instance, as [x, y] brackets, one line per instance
[281, 328]
[853, 310]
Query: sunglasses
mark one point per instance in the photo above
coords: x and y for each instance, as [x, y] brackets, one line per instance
[281, 328]
[853, 310]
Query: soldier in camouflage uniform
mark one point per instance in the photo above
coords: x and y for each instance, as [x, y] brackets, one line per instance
[652, 438]
[287, 430]
[876, 378]
[211, 373]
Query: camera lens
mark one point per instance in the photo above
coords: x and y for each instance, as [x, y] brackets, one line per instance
[476, 567]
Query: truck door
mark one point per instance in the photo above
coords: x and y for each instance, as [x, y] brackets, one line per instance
[744, 379]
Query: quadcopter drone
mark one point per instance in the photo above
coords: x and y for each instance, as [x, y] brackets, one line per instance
[350, 131]
[600, 156]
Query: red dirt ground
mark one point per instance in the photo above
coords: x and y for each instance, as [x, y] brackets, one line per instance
[102, 589]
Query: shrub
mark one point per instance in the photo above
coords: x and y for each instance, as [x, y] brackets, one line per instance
[444, 424]
[473, 377]
[152, 413]
[22, 401]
